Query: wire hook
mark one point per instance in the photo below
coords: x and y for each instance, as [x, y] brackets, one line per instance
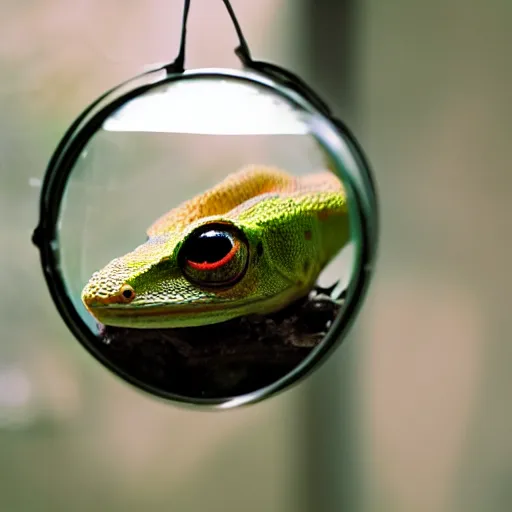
[242, 50]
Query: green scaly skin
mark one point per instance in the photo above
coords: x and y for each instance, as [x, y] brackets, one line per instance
[291, 228]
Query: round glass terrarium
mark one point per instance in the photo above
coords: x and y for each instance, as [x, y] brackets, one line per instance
[208, 235]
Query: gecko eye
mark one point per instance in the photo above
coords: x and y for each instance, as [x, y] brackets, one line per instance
[214, 255]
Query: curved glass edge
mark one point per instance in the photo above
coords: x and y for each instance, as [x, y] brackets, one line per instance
[331, 135]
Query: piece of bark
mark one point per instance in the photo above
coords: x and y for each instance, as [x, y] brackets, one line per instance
[226, 359]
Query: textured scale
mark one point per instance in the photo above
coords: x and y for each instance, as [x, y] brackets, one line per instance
[293, 225]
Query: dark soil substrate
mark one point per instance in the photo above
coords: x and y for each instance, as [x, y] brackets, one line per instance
[227, 359]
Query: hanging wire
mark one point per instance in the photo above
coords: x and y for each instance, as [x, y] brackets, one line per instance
[242, 51]
[178, 66]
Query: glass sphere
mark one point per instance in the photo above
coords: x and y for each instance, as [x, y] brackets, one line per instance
[213, 235]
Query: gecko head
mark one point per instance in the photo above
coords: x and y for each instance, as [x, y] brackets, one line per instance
[209, 273]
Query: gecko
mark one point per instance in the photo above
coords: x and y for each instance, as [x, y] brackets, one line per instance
[252, 244]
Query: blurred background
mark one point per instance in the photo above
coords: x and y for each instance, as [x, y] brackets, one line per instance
[413, 412]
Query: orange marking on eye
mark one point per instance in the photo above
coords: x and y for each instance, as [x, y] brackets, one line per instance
[205, 266]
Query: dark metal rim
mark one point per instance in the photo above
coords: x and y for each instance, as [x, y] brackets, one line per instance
[361, 188]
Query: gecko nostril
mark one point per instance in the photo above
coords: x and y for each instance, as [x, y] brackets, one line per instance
[127, 292]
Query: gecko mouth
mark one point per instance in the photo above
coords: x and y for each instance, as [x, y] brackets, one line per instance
[157, 316]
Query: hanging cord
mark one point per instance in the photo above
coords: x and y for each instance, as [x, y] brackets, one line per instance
[178, 66]
[281, 74]
[242, 51]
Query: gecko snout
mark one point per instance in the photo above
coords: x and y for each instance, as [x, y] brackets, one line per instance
[94, 296]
